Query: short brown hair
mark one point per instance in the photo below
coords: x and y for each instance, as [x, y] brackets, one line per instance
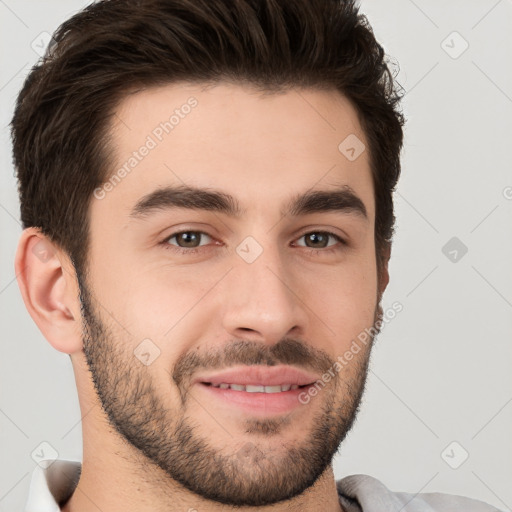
[61, 122]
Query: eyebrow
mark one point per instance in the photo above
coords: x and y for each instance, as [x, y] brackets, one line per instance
[341, 200]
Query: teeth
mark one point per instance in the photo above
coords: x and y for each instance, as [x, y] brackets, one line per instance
[272, 389]
[256, 389]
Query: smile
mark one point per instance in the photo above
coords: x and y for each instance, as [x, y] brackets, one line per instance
[256, 389]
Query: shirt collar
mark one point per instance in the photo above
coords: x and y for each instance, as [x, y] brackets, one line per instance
[53, 482]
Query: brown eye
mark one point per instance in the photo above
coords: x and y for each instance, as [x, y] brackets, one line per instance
[188, 239]
[320, 239]
[317, 240]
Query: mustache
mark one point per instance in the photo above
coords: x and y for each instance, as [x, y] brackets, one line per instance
[242, 352]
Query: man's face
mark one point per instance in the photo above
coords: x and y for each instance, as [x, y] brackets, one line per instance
[181, 302]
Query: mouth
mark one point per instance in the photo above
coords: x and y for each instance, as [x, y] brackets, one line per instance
[259, 390]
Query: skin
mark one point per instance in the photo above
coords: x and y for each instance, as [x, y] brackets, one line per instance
[294, 304]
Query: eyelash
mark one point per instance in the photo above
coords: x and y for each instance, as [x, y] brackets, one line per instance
[194, 250]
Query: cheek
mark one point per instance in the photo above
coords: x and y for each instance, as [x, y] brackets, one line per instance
[157, 302]
[344, 299]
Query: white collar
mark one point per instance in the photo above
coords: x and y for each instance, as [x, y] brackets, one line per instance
[52, 484]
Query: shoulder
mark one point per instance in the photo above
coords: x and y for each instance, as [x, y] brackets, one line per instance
[371, 495]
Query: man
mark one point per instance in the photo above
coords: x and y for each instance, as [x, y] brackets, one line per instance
[206, 191]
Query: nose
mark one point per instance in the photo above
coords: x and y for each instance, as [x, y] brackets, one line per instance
[263, 301]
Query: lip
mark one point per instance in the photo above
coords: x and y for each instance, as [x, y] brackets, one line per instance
[257, 403]
[259, 376]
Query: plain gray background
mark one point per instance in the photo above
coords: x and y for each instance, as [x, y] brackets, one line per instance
[440, 382]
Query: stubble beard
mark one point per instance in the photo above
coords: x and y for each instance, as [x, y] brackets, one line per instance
[249, 475]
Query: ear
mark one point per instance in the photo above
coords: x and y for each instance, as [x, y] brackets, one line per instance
[48, 285]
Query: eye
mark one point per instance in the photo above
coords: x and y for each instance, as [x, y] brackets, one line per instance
[320, 240]
[190, 242]
[186, 240]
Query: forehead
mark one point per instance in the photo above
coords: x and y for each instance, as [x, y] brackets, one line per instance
[259, 147]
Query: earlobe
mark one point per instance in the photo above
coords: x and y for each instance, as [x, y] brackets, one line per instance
[49, 289]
